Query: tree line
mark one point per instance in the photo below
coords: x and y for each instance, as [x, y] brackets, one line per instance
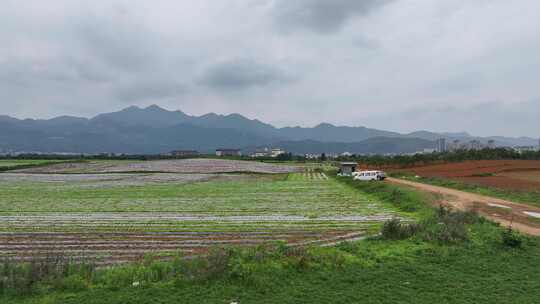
[434, 158]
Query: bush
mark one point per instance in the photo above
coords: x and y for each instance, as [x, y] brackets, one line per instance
[511, 239]
[52, 270]
[444, 226]
[394, 229]
[448, 226]
[74, 282]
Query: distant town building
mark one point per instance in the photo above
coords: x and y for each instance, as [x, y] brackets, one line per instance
[184, 153]
[346, 154]
[491, 144]
[332, 155]
[260, 153]
[475, 145]
[523, 149]
[441, 145]
[267, 152]
[277, 152]
[455, 145]
[228, 152]
[312, 156]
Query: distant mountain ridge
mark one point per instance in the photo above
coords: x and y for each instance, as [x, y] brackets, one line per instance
[156, 130]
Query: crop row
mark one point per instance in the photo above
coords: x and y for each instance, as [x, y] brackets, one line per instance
[111, 248]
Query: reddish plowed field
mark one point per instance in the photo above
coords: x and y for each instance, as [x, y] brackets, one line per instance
[505, 174]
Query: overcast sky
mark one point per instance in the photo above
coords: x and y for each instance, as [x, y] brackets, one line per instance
[402, 65]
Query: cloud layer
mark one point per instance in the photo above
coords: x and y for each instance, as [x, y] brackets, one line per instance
[452, 65]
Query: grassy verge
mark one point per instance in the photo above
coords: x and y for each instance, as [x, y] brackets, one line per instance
[526, 197]
[404, 199]
[372, 271]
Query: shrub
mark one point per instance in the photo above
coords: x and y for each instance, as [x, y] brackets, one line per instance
[448, 226]
[394, 229]
[74, 282]
[511, 239]
[299, 257]
[50, 270]
[349, 247]
[218, 262]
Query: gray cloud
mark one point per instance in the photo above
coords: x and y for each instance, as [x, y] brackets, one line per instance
[400, 65]
[321, 16]
[117, 40]
[147, 90]
[242, 74]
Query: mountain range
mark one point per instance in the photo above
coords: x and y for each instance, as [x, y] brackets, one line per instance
[156, 130]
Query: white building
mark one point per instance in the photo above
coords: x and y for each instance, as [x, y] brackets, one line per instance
[267, 152]
[277, 152]
[228, 152]
[523, 149]
[441, 145]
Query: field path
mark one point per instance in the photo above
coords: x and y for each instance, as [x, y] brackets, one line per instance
[502, 211]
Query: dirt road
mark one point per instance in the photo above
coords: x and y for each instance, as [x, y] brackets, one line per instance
[505, 212]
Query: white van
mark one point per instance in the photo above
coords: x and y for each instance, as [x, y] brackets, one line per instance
[369, 175]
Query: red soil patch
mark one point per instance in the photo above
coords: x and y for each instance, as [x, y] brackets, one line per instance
[492, 173]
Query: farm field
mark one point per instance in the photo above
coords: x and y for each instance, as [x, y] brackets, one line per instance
[518, 175]
[529, 176]
[423, 268]
[166, 166]
[6, 164]
[118, 217]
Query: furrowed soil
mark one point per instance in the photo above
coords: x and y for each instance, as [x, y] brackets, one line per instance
[521, 175]
[166, 166]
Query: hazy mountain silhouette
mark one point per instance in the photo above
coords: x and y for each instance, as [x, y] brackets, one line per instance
[156, 130]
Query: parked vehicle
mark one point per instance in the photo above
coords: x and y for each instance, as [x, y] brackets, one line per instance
[369, 175]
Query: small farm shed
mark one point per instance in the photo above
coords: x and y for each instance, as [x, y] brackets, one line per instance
[347, 168]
